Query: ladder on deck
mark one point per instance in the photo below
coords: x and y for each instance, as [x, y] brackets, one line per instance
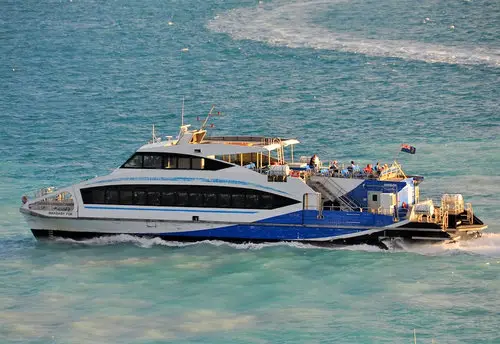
[280, 152]
[323, 186]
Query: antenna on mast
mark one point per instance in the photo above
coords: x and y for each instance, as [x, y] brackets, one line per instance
[207, 118]
[154, 138]
[182, 112]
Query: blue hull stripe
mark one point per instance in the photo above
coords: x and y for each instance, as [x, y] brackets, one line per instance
[265, 232]
[331, 218]
[191, 210]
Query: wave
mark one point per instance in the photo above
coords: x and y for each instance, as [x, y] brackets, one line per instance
[289, 24]
[151, 242]
[487, 245]
[124, 239]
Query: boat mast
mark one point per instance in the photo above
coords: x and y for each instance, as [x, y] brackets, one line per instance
[182, 113]
[153, 135]
[208, 116]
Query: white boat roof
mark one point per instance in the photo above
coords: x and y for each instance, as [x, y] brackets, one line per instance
[216, 145]
[203, 149]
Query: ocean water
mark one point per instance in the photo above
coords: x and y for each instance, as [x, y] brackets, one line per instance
[83, 81]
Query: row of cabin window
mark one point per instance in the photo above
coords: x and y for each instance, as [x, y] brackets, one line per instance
[173, 161]
[193, 198]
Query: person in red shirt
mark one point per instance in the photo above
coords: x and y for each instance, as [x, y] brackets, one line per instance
[368, 169]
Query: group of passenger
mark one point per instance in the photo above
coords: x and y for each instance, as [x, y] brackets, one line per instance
[351, 170]
[369, 170]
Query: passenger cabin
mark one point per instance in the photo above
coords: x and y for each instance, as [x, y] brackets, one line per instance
[384, 191]
[194, 150]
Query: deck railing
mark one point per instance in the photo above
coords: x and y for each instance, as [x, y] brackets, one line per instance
[44, 191]
[53, 205]
[378, 211]
[470, 213]
[62, 201]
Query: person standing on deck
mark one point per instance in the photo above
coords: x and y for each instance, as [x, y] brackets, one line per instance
[314, 163]
[334, 167]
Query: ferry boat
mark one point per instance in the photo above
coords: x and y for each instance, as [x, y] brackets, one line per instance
[247, 189]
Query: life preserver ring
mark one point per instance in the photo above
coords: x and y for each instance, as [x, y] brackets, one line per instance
[294, 173]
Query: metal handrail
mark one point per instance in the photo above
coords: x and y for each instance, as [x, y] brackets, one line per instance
[64, 205]
[470, 213]
[44, 191]
[342, 197]
[379, 211]
[62, 201]
[333, 197]
[445, 220]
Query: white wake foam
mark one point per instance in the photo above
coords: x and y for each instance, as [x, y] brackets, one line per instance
[151, 242]
[124, 239]
[289, 24]
[488, 245]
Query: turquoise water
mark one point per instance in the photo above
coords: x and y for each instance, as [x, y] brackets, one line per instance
[83, 81]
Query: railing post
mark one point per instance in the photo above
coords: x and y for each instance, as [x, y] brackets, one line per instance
[304, 200]
[320, 207]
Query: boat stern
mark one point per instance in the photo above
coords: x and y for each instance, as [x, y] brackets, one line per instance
[451, 220]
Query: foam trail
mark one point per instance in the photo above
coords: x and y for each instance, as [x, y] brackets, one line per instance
[288, 24]
[488, 245]
[125, 239]
[151, 242]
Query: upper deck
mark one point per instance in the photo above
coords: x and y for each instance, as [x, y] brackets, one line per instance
[393, 172]
[261, 153]
[234, 149]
